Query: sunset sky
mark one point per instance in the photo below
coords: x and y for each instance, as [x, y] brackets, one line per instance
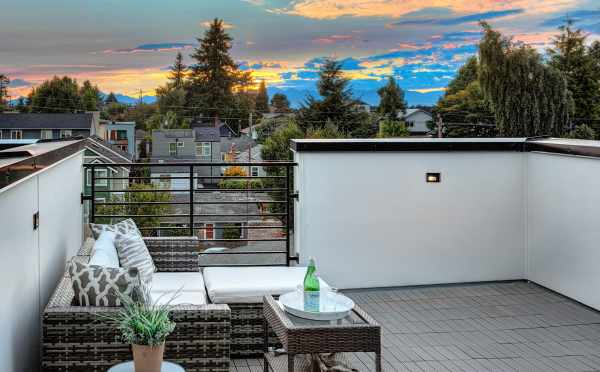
[127, 45]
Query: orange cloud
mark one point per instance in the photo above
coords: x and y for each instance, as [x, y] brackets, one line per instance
[429, 90]
[330, 9]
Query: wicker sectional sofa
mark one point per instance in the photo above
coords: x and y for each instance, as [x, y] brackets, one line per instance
[75, 338]
[205, 338]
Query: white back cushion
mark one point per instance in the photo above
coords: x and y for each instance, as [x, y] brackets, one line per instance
[104, 252]
[229, 285]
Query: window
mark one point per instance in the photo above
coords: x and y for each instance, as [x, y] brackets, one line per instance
[65, 133]
[254, 171]
[100, 173]
[180, 144]
[203, 149]
[173, 148]
[16, 134]
[208, 231]
[121, 135]
[46, 134]
[223, 156]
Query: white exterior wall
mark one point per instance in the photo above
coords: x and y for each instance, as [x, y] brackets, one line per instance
[33, 261]
[371, 220]
[562, 219]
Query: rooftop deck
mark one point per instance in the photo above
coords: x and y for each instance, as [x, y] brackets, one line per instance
[515, 326]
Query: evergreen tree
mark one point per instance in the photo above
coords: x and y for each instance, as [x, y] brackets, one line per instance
[111, 98]
[178, 72]
[56, 95]
[336, 105]
[280, 103]
[571, 56]
[527, 97]
[582, 132]
[262, 99]
[391, 99]
[215, 75]
[90, 97]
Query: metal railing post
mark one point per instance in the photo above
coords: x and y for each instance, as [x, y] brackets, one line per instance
[288, 181]
[191, 187]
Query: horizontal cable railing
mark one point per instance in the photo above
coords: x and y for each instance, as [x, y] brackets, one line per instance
[238, 212]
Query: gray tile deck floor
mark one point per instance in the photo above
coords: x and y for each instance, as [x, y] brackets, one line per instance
[515, 326]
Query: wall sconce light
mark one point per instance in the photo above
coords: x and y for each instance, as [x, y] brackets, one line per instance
[433, 177]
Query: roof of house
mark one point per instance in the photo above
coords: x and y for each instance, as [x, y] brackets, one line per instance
[46, 121]
[207, 134]
[112, 154]
[412, 111]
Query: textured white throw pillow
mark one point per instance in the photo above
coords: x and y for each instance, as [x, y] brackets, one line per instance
[133, 253]
[123, 227]
[104, 252]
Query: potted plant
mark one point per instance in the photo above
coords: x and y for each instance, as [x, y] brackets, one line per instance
[145, 325]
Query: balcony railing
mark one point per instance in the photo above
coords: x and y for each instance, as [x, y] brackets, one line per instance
[244, 215]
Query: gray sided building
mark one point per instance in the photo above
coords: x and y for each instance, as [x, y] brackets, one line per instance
[197, 145]
[49, 126]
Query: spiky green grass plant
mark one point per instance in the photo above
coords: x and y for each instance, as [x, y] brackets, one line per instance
[143, 322]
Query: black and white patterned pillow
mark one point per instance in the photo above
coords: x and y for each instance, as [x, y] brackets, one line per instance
[133, 253]
[124, 227]
[103, 286]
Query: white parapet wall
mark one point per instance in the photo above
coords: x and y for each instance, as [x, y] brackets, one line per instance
[33, 260]
[370, 219]
[563, 225]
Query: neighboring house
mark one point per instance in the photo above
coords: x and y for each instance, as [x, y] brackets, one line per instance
[16, 126]
[99, 152]
[251, 155]
[197, 145]
[416, 121]
[120, 135]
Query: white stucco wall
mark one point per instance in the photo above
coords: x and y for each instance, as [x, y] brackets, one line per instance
[371, 220]
[562, 222]
[33, 260]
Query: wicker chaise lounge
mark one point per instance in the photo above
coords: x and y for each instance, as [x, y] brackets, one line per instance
[75, 338]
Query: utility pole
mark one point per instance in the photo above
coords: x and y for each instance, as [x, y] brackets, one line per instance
[440, 125]
[250, 124]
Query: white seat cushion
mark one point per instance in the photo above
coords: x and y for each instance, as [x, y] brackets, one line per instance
[104, 252]
[171, 282]
[230, 285]
[181, 298]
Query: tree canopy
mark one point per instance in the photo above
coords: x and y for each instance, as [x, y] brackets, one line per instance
[262, 99]
[215, 76]
[336, 104]
[527, 97]
[280, 103]
[391, 99]
[570, 55]
[178, 72]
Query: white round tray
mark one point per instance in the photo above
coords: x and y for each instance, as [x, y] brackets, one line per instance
[332, 305]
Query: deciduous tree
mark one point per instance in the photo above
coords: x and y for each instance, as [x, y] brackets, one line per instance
[527, 97]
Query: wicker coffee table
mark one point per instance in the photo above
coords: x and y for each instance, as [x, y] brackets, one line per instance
[358, 332]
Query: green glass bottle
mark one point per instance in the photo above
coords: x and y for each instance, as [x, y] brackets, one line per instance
[311, 288]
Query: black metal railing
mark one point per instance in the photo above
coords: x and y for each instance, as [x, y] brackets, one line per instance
[196, 199]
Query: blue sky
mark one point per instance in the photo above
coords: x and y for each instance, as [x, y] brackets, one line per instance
[124, 46]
